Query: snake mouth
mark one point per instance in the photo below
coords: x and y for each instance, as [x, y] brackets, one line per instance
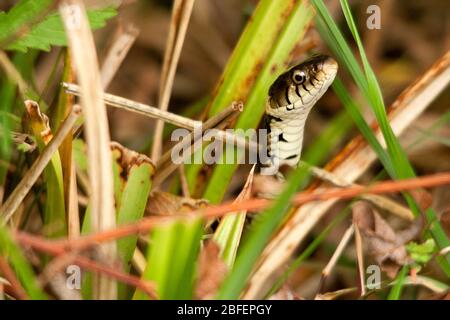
[329, 66]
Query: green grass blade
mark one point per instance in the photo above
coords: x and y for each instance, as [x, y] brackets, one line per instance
[328, 139]
[228, 236]
[331, 34]
[262, 229]
[172, 258]
[396, 290]
[10, 107]
[397, 154]
[228, 233]
[13, 254]
[54, 212]
[354, 112]
[132, 208]
[395, 160]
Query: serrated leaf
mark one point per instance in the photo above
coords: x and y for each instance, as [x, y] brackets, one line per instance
[50, 32]
[20, 15]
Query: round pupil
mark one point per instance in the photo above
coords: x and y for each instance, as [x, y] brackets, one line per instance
[298, 77]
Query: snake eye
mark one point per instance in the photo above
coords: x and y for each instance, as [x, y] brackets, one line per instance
[298, 77]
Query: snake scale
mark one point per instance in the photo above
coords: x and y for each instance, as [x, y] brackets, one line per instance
[291, 98]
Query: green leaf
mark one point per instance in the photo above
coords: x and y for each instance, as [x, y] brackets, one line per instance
[79, 150]
[132, 208]
[11, 109]
[261, 230]
[50, 32]
[172, 258]
[21, 15]
[13, 254]
[328, 139]
[396, 290]
[54, 213]
[421, 253]
[229, 231]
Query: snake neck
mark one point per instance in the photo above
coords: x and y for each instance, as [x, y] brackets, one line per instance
[284, 137]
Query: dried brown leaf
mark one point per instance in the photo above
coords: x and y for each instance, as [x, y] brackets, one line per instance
[383, 243]
[445, 221]
[128, 158]
[163, 203]
[37, 122]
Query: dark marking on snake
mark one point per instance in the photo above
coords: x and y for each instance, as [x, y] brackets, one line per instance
[281, 138]
[297, 91]
[274, 119]
[293, 156]
[286, 93]
[304, 87]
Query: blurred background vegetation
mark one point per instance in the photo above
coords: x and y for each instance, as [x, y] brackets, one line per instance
[413, 35]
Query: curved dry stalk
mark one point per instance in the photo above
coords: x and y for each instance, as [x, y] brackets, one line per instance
[351, 163]
[81, 44]
[24, 186]
[254, 204]
[181, 14]
[10, 275]
[121, 44]
[360, 259]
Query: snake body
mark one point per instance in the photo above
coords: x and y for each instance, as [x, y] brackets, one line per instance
[291, 98]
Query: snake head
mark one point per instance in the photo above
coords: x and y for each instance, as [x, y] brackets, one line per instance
[304, 83]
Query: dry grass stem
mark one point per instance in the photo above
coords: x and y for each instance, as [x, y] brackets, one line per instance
[181, 14]
[10, 275]
[140, 108]
[336, 255]
[360, 260]
[121, 44]
[81, 44]
[139, 262]
[73, 216]
[28, 180]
